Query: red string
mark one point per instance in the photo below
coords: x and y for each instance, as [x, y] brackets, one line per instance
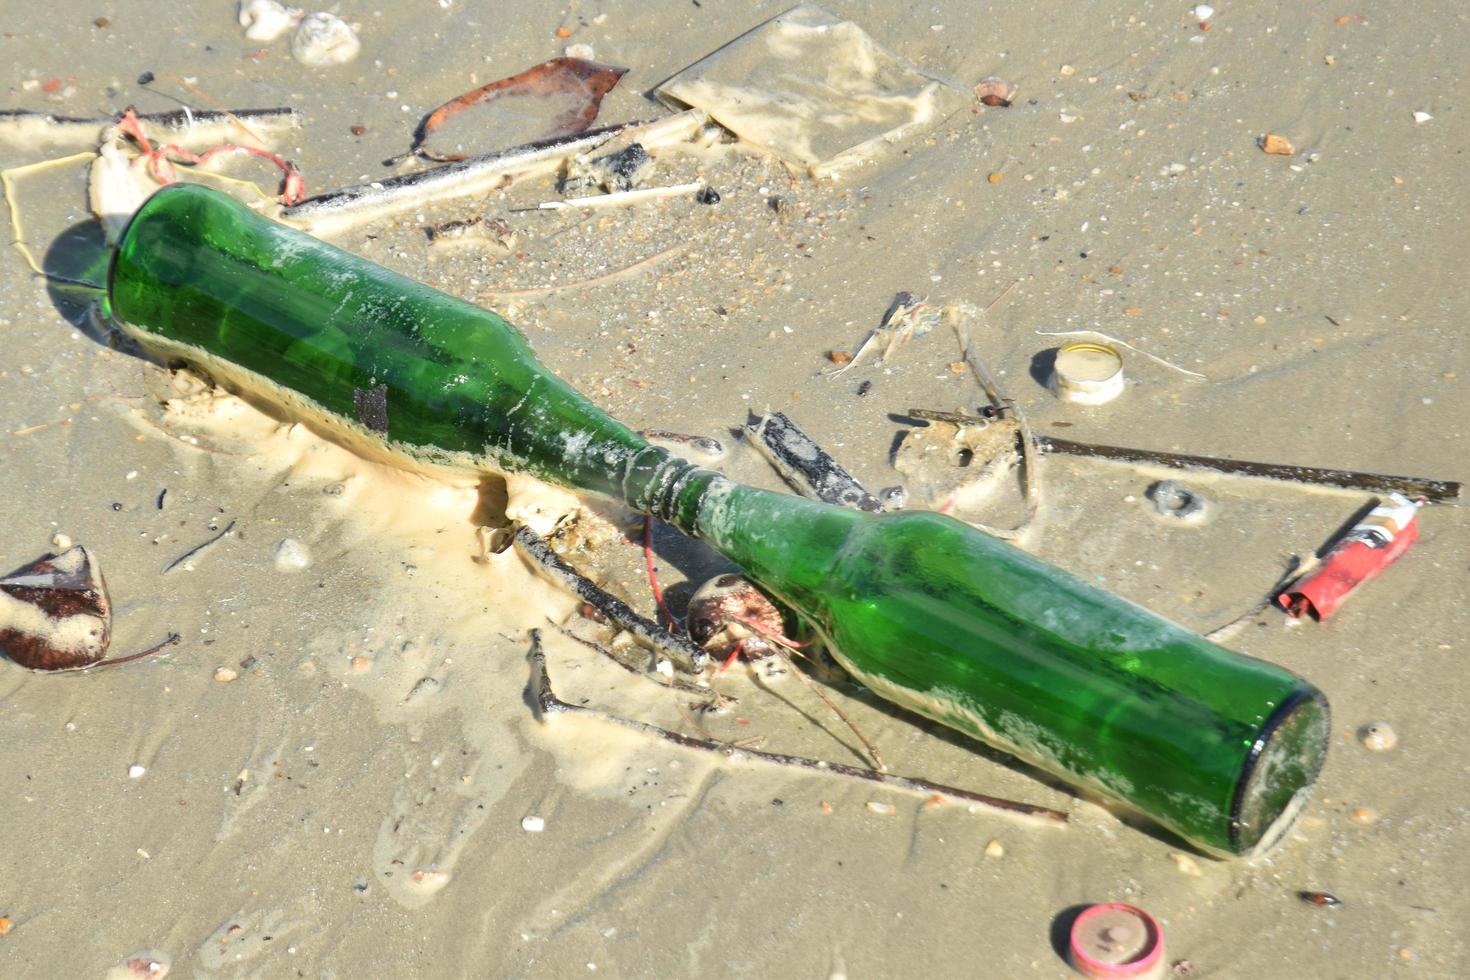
[658, 593]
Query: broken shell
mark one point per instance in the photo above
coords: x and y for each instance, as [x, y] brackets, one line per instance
[55, 613]
[995, 92]
[324, 39]
[715, 613]
[1279, 145]
[265, 20]
[1378, 736]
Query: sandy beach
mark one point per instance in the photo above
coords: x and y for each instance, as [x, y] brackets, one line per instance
[337, 772]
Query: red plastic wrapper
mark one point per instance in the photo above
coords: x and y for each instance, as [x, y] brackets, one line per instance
[1371, 546]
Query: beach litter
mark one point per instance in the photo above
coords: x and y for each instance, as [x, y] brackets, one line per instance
[1369, 546]
[814, 90]
[1112, 941]
[1087, 373]
[809, 469]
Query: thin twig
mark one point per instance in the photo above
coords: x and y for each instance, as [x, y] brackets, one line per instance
[712, 697]
[595, 280]
[183, 561]
[535, 550]
[1294, 569]
[1411, 486]
[549, 705]
[1031, 474]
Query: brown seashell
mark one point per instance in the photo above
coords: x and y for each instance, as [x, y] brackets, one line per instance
[712, 621]
[1279, 145]
[995, 92]
[55, 613]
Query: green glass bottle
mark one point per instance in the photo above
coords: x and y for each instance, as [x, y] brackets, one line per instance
[924, 610]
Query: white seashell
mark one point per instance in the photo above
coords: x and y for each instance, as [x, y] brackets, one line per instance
[1378, 736]
[265, 20]
[324, 39]
[1204, 12]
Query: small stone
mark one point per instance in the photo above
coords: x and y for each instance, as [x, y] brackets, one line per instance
[225, 674]
[995, 850]
[60, 542]
[1279, 145]
[136, 771]
[1422, 117]
[1203, 12]
[533, 825]
[1378, 736]
[1067, 71]
[291, 555]
[429, 880]
[825, 807]
[996, 177]
[6, 925]
[885, 809]
[1186, 865]
[324, 39]
[361, 665]
[1363, 816]
[838, 356]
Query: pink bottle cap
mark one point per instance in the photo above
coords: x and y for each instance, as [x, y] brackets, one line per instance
[1113, 940]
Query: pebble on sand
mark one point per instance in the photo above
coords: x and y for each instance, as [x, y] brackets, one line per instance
[136, 771]
[1378, 736]
[225, 674]
[995, 850]
[533, 825]
[291, 555]
[1363, 816]
[324, 39]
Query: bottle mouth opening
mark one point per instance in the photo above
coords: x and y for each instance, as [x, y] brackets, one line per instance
[1278, 776]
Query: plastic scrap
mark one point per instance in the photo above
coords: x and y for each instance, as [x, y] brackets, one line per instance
[814, 90]
[1363, 553]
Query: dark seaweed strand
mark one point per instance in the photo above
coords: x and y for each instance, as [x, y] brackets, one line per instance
[535, 549]
[548, 704]
[1412, 486]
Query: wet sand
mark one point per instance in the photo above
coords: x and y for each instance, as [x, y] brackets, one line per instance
[354, 802]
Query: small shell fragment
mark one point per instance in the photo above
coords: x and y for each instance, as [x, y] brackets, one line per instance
[1323, 900]
[1279, 145]
[324, 39]
[147, 964]
[994, 92]
[995, 850]
[1363, 816]
[265, 20]
[225, 675]
[429, 880]
[1186, 865]
[533, 825]
[1378, 736]
[883, 809]
[136, 771]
